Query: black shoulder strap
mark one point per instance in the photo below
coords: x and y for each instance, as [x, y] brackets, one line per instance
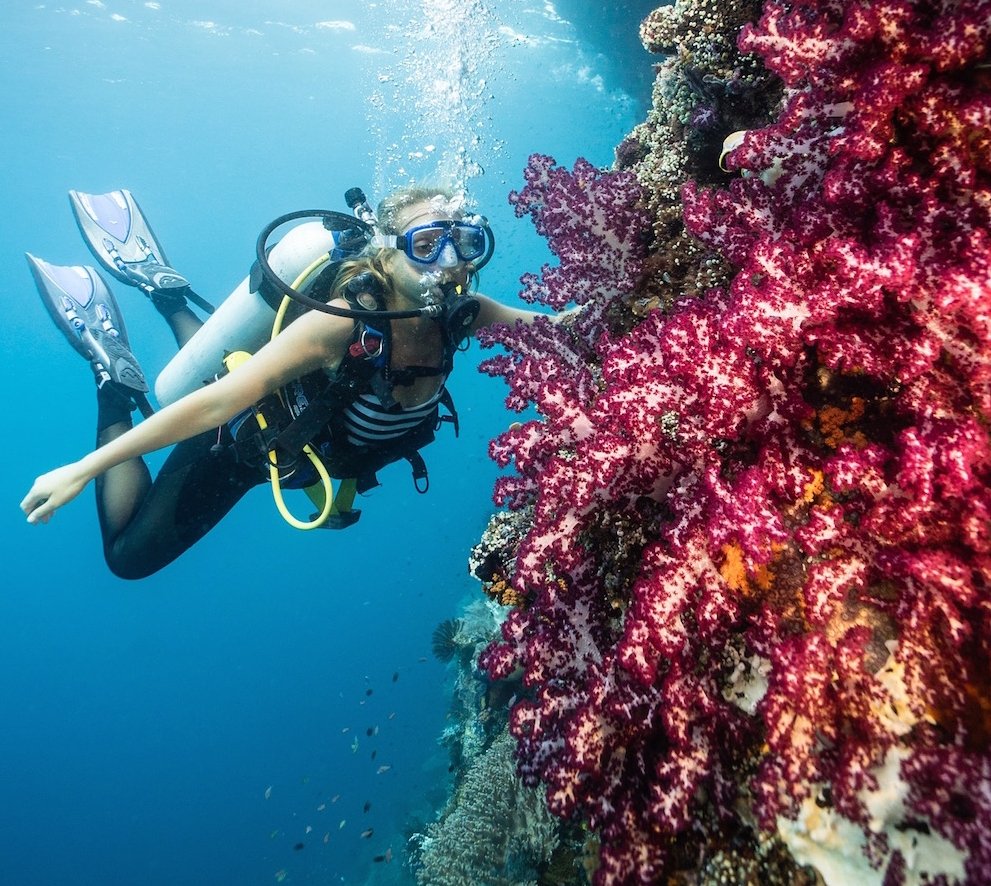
[317, 414]
[447, 401]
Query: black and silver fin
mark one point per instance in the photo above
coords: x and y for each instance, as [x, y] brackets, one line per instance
[85, 311]
[119, 236]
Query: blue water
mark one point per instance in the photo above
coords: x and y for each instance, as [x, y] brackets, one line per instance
[195, 727]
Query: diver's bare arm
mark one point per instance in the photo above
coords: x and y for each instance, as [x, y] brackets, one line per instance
[313, 341]
[495, 312]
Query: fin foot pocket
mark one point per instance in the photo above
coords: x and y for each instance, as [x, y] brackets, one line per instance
[151, 276]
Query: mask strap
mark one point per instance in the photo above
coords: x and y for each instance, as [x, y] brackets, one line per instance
[387, 241]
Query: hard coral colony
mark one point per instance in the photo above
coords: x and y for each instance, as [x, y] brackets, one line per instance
[756, 582]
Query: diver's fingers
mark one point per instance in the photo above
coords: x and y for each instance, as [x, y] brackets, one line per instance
[52, 490]
[38, 503]
[37, 517]
[31, 501]
[37, 508]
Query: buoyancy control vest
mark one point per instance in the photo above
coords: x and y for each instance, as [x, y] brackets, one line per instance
[316, 408]
[312, 410]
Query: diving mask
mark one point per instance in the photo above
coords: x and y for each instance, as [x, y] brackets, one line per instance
[445, 241]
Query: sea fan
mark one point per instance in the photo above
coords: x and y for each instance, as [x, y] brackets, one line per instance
[444, 640]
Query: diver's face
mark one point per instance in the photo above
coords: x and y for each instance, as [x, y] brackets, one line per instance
[414, 277]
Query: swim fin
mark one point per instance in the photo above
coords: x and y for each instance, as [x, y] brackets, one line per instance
[85, 311]
[119, 236]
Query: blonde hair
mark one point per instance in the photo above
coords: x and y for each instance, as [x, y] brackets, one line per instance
[391, 207]
[388, 214]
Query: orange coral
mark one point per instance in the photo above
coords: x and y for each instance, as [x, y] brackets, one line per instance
[735, 573]
[834, 424]
[500, 590]
[776, 584]
[815, 487]
[815, 494]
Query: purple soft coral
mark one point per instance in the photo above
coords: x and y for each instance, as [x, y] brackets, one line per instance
[806, 456]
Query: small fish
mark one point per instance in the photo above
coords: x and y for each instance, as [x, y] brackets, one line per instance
[385, 767]
[326, 837]
[369, 732]
[395, 677]
[365, 834]
[367, 806]
[387, 857]
[268, 792]
[345, 730]
[344, 821]
[422, 659]
[354, 746]
[368, 692]
[321, 807]
[281, 875]
[392, 715]
[299, 847]
[335, 798]
[308, 829]
[374, 754]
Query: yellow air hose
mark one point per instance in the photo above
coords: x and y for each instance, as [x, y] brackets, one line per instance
[323, 493]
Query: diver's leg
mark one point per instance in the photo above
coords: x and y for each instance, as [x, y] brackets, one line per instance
[171, 304]
[198, 484]
[120, 490]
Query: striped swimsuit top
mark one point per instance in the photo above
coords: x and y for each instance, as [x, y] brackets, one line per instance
[368, 423]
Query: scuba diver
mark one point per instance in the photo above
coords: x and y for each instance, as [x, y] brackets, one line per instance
[352, 377]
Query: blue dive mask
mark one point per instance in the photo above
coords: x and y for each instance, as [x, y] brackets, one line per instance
[444, 241]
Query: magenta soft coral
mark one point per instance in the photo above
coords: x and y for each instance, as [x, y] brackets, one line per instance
[806, 455]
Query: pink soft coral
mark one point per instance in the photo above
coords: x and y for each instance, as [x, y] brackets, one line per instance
[805, 457]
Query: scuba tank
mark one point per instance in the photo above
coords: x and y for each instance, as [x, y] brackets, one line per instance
[243, 322]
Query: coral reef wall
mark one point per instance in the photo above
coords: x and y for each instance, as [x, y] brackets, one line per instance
[494, 831]
[753, 586]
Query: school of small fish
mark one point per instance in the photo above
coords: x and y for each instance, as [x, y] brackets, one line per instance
[367, 833]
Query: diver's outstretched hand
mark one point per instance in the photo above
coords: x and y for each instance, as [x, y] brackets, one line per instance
[52, 490]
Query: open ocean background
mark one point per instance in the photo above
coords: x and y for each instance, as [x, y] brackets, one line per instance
[195, 727]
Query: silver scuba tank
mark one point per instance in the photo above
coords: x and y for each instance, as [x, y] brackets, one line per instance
[243, 321]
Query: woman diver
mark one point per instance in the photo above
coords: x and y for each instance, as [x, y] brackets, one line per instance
[357, 383]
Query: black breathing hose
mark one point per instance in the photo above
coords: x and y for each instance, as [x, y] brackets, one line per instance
[344, 222]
